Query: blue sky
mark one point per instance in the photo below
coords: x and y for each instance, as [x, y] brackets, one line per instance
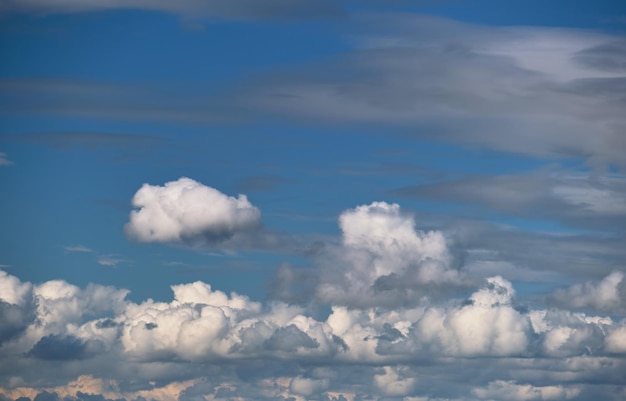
[397, 194]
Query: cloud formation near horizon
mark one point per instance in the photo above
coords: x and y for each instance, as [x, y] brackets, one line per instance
[201, 327]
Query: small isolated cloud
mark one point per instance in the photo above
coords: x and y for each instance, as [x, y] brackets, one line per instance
[4, 160]
[609, 294]
[186, 211]
[111, 261]
[78, 248]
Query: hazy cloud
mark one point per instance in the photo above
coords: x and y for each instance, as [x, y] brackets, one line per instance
[223, 9]
[577, 200]
[78, 248]
[609, 294]
[4, 160]
[516, 89]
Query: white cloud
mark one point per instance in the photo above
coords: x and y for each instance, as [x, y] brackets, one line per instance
[609, 294]
[390, 383]
[615, 341]
[307, 386]
[384, 260]
[203, 332]
[78, 248]
[188, 211]
[12, 290]
[112, 261]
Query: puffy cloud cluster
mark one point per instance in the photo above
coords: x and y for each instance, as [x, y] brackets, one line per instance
[83, 331]
[385, 261]
[188, 211]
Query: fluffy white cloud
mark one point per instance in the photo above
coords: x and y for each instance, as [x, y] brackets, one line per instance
[188, 211]
[12, 290]
[609, 294]
[384, 260]
[352, 353]
[390, 382]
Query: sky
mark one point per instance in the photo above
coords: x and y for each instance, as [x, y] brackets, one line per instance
[330, 200]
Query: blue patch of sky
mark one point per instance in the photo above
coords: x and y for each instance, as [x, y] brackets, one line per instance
[140, 46]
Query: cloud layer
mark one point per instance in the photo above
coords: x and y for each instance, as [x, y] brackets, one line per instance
[200, 328]
[237, 9]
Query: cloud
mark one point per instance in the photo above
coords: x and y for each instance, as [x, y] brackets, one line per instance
[61, 347]
[4, 160]
[78, 248]
[511, 391]
[186, 211]
[577, 200]
[109, 260]
[384, 260]
[526, 90]
[223, 9]
[607, 295]
[211, 343]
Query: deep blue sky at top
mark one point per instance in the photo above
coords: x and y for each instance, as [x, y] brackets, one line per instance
[67, 192]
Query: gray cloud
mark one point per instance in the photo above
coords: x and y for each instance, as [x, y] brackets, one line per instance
[575, 200]
[63, 347]
[514, 89]
[609, 56]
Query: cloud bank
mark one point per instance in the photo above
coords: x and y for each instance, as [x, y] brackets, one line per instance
[204, 330]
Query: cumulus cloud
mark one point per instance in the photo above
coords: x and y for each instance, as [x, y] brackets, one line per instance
[609, 294]
[385, 260]
[186, 211]
[206, 342]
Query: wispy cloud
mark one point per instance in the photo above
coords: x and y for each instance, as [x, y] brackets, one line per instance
[112, 260]
[78, 248]
[225, 9]
[4, 160]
